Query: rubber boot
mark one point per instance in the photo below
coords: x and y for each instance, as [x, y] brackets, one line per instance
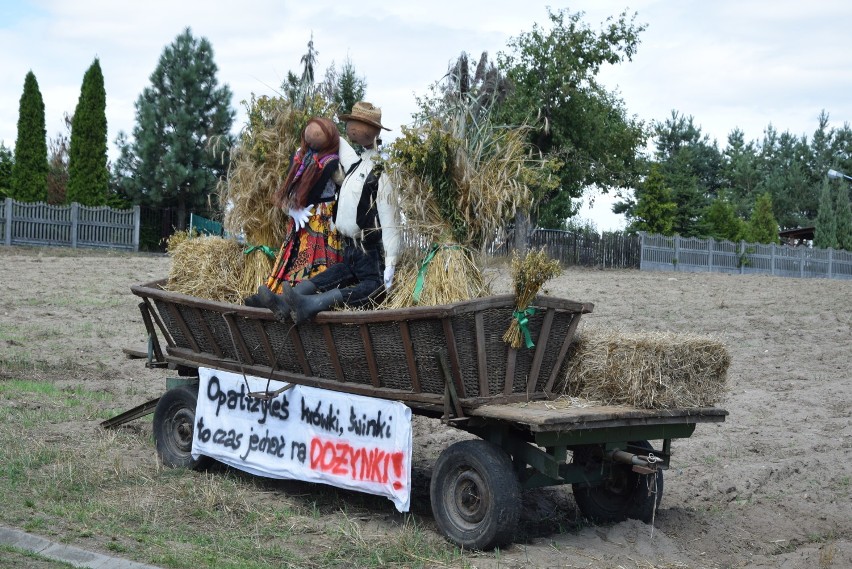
[304, 307]
[255, 300]
[274, 302]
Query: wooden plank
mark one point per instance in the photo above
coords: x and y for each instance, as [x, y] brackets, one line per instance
[207, 333]
[160, 324]
[566, 343]
[239, 341]
[511, 360]
[185, 357]
[481, 359]
[332, 352]
[409, 356]
[300, 350]
[178, 318]
[264, 340]
[548, 416]
[370, 355]
[453, 355]
[540, 349]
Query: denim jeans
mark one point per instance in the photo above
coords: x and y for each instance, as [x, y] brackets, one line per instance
[359, 276]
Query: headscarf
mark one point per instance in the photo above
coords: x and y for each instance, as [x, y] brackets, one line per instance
[307, 165]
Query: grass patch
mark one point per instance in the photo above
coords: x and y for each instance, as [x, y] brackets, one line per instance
[63, 476]
[11, 557]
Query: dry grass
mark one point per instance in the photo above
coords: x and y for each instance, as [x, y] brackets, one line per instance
[647, 370]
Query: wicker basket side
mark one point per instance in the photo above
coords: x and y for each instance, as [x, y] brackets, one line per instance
[316, 352]
[350, 351]
[170, 324]
[390, 355]
[427, 337]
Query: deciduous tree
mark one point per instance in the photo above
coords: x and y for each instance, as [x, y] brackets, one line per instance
[554, 73]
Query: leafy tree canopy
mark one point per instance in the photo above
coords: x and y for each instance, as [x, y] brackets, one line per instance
[553, 73]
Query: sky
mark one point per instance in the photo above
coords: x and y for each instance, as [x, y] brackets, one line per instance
[727, 63]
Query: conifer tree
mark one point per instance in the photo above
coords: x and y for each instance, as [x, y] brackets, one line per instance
[825, 230]
[763, 227]
[88, 176]
[183, 121]
[29, 173]
[843, 217]
[654, 211]
[7, 159]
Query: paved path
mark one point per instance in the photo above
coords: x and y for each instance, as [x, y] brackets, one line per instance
[66, 553]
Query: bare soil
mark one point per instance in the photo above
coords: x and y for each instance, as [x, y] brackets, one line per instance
[769, 487]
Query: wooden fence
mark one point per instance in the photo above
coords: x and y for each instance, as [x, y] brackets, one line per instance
[72, 225]
[605, 251]
[661, 253]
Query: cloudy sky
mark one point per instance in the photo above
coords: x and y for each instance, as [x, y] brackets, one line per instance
[727, 63]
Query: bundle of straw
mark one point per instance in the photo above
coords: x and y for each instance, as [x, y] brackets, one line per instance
[207, 267]
[459, 179]
[450, 270]
[529, 273]
[651, 370]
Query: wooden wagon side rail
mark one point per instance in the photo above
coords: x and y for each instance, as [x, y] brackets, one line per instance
[408, 354]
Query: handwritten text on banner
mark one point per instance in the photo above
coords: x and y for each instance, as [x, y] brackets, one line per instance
[305, 433]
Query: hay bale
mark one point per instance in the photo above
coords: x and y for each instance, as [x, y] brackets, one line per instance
[208, 267]
[648, 370]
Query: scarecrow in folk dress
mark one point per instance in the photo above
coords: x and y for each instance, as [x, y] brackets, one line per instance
[367, 218]
[308, 194]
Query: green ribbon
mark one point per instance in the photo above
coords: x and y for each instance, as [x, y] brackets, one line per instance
[523, 318]
[421, 274]
[263, 248]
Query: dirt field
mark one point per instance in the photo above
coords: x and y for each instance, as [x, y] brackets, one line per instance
[769, 487]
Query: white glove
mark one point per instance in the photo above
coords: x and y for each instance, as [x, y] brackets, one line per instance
[389, 270]
[301, 216]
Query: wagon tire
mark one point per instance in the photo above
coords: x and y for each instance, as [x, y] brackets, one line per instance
[174, 424]
[475, 495]
[626, 494]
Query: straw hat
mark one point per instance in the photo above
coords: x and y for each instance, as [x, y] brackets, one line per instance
[366, 113]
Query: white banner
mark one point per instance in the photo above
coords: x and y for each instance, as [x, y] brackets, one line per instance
[305, 433]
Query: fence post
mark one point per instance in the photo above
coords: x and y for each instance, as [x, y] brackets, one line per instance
[137, 224]
[742, 256]
[830, 256]
[772, 261]
[677, 253]
[75, 217]
[7, 238]
[802, 263]
[710, 247]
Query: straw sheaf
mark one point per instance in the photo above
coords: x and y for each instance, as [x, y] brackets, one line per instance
[451, 276]
[207, 267]
[259, 165]
[647, 370]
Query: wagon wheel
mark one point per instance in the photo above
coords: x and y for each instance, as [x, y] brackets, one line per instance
[174, 422]
[626, 494]
[476, 497]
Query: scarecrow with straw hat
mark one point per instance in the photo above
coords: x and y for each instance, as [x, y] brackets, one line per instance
[367, 218]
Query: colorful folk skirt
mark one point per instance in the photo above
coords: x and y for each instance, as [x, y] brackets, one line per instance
[308, 251]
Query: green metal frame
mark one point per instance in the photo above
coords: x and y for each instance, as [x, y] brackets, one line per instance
[540, 458]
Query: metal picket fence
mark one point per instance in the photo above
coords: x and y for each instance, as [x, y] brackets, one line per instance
[691, 254]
